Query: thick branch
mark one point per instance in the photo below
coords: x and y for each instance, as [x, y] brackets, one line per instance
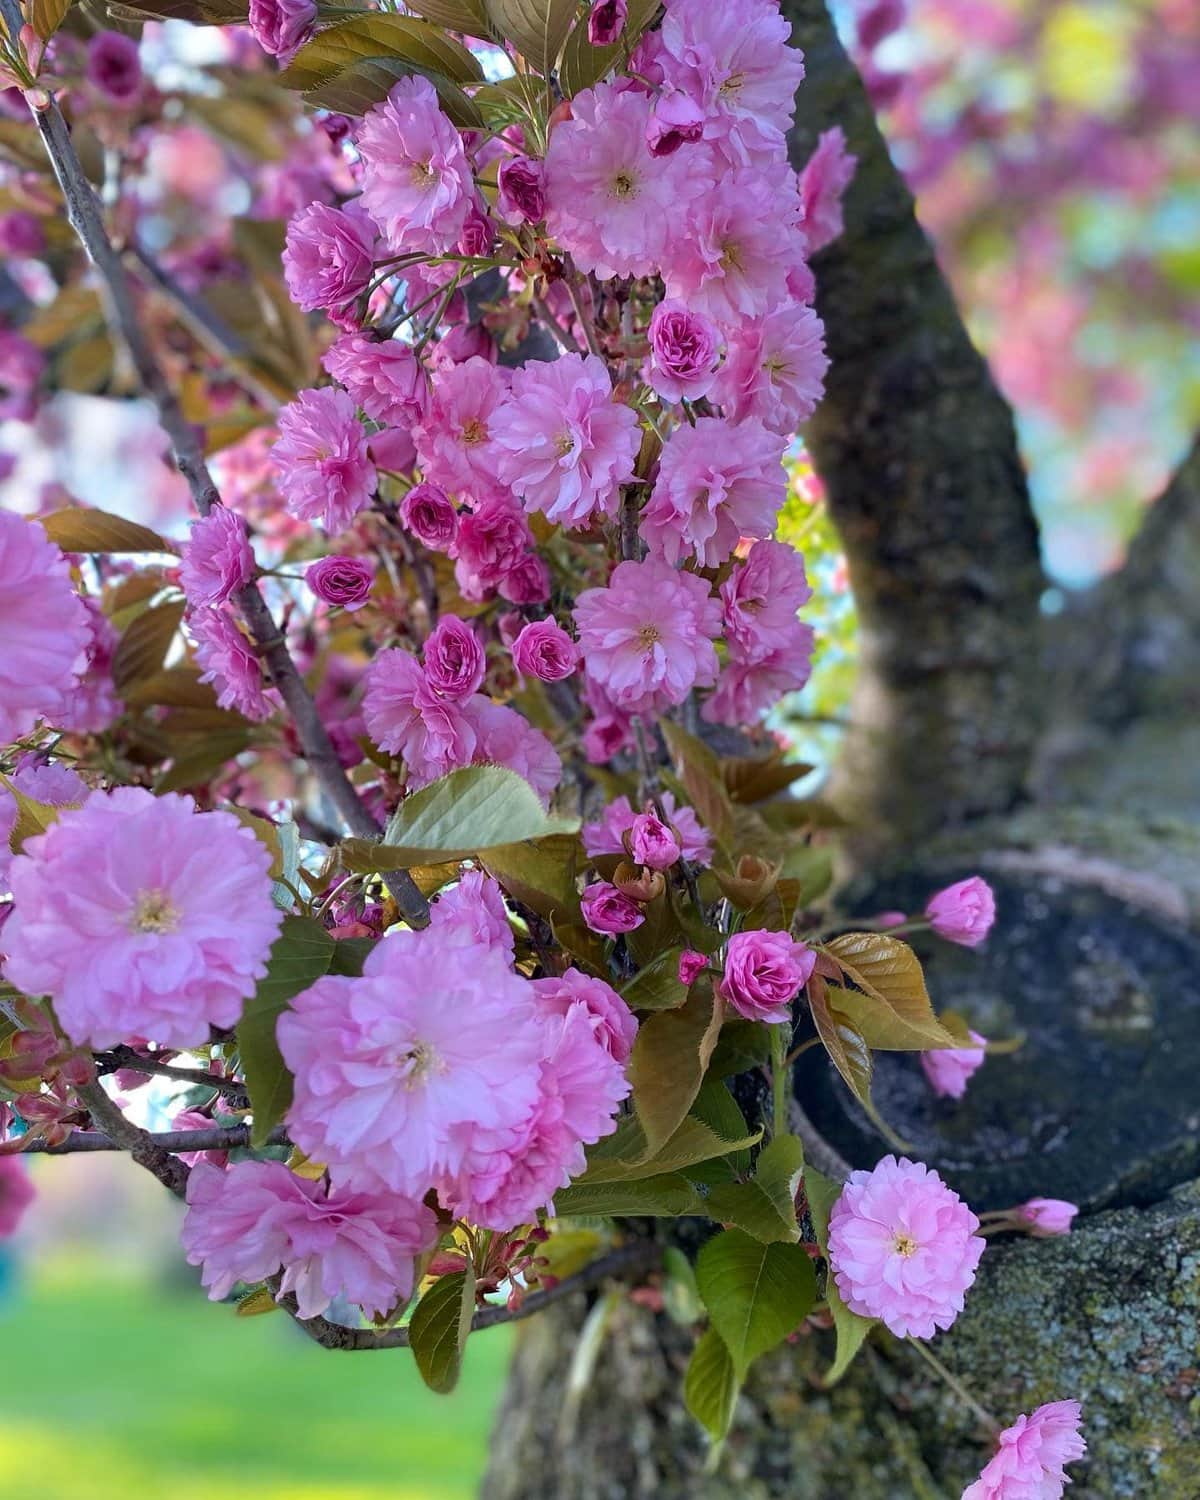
[83, 210]
[918, 455]
[141, 1145]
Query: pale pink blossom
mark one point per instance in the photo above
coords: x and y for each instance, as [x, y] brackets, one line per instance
[384, 377]
[950, 1069]
[691, 965]
[472, 913]
[428, 512]
[455, 439]
[607, 836]
[216, 560]
[416, 179]
[328, 257]
[281, 27]
[567, 446]
[492, 540]
[764, 972]
[1030, 1462]
[1046, 1217]
[228, 661]
[774, 369]
[139, 916]
[258, 1218]
[401, 1076]
[44, 628]
[746, 690]
[606, 21]
[93, 703]
[186, 1119]
[392, 450]
[607, 910]
[17, 1192]
[717, 482]
[454, 659]
[406, 717]
[759, 601]
[647, 638]
[684, 352]
[114, 67]
[342, 581]
[823, 180]
[41, 781]
[964, 912]
[612, 1023]
[504, 737]
[522, 190]
[903, 1247]
[544, 650]
[325, 472]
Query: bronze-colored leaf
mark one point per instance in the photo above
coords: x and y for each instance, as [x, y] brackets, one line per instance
[669, 1061]
[143, 648]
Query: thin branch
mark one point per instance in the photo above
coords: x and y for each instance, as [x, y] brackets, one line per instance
[172, 1142]
[117, 1058]
[83, 210]
[563, 337]
[817, 1150]
[126, 1136]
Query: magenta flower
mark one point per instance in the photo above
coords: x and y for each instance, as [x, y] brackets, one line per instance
[328, 257]
[647, 638]
[566, 445]
[325, 472]
[527, 581]
[963, 913]
[522, 191]
[612, 1023]
[950, 1069]
[544, 650]
[344, 581]
[774, 369]
[385, 378]
[416, 179]
[139, 916]
[825, 177]
[691, 965]
[677, 120]
[492, 541]
[717, 482]
[653, 843]
[216, 560]
[759, 601]
[281, 27]
[607, 836]
[428, 512]
[504, 737]
[764, 972]
[392, 450]
[684, 350]
[606, 21]
[903, 1247]
[44, 628]
[454, 659]
[607, 910]
[228, 661]
[406, 1075]
[21, 366]
[455, 440]
[114, 67]
[21, 234]
[92, 703]
[17, 1192]
[406, 717]
[1031, 1460]
[1046, 1217]
[746, 690]
[258, 1218]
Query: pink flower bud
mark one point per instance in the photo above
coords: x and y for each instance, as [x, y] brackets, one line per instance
[606, 21]
[341, 580]
[281, 27]
[764, 972]
[428, 512]
[606, 910]
[1045, 1217]
[652, 843]
[544, 650]
[522, 198]
[478, 236]
[950, 1069]
[963, 913]
[691, 965]
[454, 659]
[684, 347]
[677, 119]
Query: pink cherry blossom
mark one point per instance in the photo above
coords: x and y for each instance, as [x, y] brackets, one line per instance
[455, 440]
[216, 560]
[759, 601]
[139, 916]
[610, 730]
[545, 650]
[454, 659]
[406, 717]
[606, 21]
[92, 703]
[647, 638]
[607, 836]
[504, 737]
[343, 581]
[41, 781]
[1046, 1217]
[607, 910]
[428, 512]
[325, 472]
[472, 914]
[229, 662]
[824, 178]
[567, 446]
[527, 581]
[774, 369]
[281, 27]
[22, 364]
[745, 690]
[522, 191]
[416, 179]
[903, 1247]
[402, 1075]
[17, 1192]
[328, 257]
[717, 482]
[1031, 1459]
[114, 66]
[256, 1218]
[385, 378]
[684, 351]
[43, 626]
[964, 912]
[950, 1069]
[764, 972]
[612, 1022]
[652, 843]
[677, 120]
[491, 541]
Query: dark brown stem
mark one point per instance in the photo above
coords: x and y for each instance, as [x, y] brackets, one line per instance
[172, 1142]
[117, 1058]
[126, 1136]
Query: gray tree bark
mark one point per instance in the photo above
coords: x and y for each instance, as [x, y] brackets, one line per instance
[1061, 763]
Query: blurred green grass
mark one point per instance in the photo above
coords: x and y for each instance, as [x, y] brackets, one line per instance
[110, 1388]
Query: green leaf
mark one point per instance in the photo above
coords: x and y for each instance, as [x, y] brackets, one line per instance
[657, 986]
[699, 774]
[622, 1156]
[257, 1302]
[540, 874]
[143, 648]
[721, 1112]
[468, 16]
[894, 1013]
[765, 1207]
[670, 1058]
[742, 1045]
[471, 811]
[851, 1330]
[46, 16]
[425, 49]
[78, 530]
[198, 757]
[438, 1331]
[711, 1384]
[358, 86]
[681, 1296]
[583, 65]
[33, 817]
[536, 28]
[303, 953]
[668, 1196]
[755, 1294]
